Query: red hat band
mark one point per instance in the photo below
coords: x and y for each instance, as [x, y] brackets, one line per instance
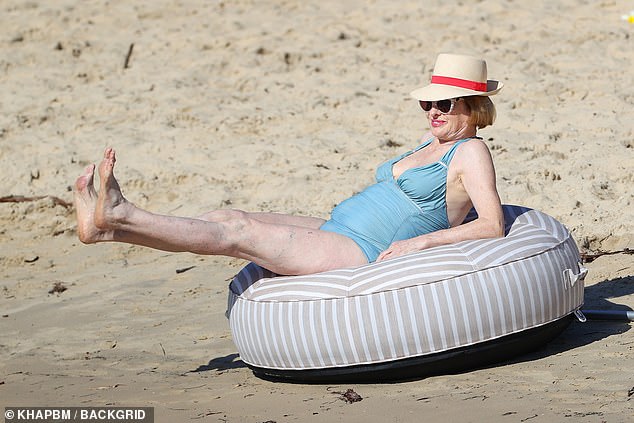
[457, 82]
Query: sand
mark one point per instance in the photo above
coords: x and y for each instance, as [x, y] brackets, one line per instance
[289, 106]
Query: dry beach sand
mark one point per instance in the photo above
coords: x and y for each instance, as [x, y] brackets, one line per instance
[289, 106]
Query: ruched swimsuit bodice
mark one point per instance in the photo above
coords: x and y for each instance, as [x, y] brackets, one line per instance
[394, 209]
[425, 185]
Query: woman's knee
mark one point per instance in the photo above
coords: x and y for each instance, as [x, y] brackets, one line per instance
[234, 228]
[223, 215]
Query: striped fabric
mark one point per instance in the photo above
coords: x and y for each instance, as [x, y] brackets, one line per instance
[432, 301]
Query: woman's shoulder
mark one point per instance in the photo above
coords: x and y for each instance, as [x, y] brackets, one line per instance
[474, 152]
[474, 146]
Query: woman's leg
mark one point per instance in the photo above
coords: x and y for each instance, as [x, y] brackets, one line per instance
[269, 241]
[274, 218]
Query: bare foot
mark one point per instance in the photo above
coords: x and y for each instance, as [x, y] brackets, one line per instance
[85, 198]
[111, 208]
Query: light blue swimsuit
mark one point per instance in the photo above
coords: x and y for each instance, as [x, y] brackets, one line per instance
[395, 209]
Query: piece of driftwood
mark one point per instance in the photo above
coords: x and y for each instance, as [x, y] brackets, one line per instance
[22, 199]
[126, 63]
[588, 257]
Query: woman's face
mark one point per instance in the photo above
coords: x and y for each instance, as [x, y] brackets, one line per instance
[453, 125]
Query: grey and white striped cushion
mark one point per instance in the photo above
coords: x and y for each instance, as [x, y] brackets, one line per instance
[427, 302]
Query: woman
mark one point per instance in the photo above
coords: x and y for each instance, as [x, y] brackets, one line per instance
[419, 201]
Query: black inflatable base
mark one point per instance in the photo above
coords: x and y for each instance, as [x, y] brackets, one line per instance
[446, 362]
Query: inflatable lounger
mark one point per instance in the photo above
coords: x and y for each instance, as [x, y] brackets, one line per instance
[441, 310]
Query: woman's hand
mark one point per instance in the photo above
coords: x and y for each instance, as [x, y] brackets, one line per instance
[400, 248]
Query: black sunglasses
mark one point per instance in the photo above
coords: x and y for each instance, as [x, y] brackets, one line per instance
[444, 106]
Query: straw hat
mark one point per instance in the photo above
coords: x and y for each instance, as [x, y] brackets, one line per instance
[457, 75]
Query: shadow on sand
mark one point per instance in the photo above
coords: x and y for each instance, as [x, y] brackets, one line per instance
[228, 362]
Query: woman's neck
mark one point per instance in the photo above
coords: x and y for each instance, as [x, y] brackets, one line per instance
[457, 137]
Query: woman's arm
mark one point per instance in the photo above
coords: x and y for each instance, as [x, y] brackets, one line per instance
[474, 168]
